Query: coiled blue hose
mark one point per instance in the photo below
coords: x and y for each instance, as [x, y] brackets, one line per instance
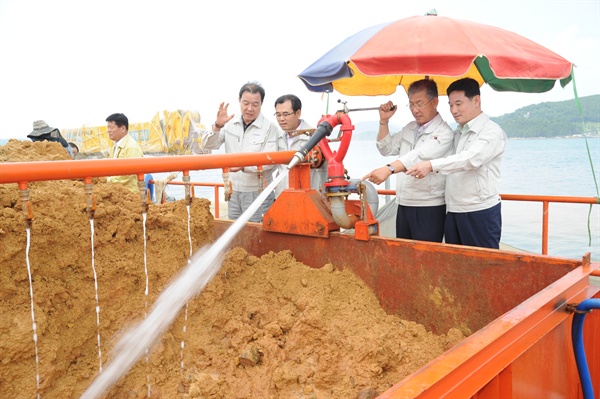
[577, 336]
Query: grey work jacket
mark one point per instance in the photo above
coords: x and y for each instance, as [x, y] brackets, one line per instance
[434, 142]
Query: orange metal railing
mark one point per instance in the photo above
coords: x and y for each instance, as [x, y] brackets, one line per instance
[24, 172]
[544, 199]
[216, 187]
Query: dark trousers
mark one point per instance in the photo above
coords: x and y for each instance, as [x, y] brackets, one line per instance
[477, 229]
[425, 223]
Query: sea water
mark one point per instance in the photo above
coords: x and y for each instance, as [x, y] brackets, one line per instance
[558, 167]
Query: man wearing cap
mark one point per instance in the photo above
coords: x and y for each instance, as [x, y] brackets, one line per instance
[125, 147]
[41, 131]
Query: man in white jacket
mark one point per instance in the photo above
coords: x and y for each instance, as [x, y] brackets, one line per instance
[421, 204]
[473, 171]
[248, 132]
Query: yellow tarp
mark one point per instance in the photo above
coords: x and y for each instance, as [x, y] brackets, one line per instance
[90, 140]
[181, 131]
[149, 136]
[177, 133]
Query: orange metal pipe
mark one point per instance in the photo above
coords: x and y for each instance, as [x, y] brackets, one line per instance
[531, 198]
[551, 198]
[15, 172]
[199, 184]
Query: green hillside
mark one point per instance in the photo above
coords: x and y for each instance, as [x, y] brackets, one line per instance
[553, 119]
[549, 119]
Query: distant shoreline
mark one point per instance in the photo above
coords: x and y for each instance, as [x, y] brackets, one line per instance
[373, 135]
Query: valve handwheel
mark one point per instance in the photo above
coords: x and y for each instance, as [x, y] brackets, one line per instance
[315, 157]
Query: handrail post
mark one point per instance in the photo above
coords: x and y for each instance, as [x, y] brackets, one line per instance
[545, 228]
[216, 201]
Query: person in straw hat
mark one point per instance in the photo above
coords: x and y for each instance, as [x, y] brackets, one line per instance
[41, 131]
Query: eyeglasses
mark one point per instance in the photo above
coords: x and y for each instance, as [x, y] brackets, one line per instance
[285, 114]
[419, 105]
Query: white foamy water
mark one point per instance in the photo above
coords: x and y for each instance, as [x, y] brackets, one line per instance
[147, 350]
[34, 325]
[189, 283]
[96, 294]
[181, 362]
[144, 215]
[185, 318]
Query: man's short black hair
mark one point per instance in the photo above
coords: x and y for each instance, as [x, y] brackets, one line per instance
[253, 87]
[468, 85]
[119, 120]
[296, 103]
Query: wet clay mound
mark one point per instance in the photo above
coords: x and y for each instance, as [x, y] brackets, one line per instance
[27, 151]
[272, 327]
[266, 327]
[63, 284]
[63, 280]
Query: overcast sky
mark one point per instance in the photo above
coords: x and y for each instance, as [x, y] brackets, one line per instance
[72, 63]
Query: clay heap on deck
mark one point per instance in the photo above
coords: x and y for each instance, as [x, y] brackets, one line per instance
[267, 327]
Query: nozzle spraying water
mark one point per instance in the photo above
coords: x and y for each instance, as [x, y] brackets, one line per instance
[324, 129]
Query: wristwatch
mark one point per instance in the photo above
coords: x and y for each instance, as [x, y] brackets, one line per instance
[391, 168]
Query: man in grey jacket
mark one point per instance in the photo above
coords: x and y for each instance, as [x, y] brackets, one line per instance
[421, 204]
[473, 171]
[248, 132]
[288, 112]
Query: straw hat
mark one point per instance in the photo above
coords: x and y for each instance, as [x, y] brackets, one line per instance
[40, 128]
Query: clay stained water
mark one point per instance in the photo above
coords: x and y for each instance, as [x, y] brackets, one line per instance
[147, 351]
[96, 293]
[37, 359]
[185, 318]
[190, 282]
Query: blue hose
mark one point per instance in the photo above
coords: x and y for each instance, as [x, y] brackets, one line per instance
[150, 187]
[577, 336]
